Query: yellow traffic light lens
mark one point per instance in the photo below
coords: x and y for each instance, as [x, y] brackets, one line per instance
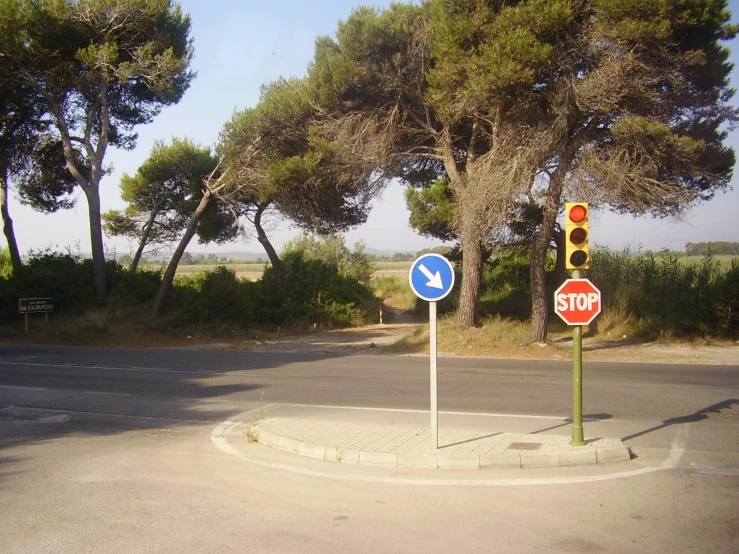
[578, 213]
[578, 236]
[578, 258]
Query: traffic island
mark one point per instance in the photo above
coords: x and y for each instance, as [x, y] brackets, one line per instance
[400, 446]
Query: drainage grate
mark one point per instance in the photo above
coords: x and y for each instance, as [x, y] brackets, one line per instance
[524, 446]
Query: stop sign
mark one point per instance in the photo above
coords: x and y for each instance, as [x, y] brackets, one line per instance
[577, 302]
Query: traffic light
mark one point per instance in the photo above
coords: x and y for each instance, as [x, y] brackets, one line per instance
[576, 235]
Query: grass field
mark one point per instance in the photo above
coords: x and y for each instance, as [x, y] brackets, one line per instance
[725, 261]
[253, 270]
[248, 270]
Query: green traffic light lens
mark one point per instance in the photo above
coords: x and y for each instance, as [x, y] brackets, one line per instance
[578, 258]
[578, 236]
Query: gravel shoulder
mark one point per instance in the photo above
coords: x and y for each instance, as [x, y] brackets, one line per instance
[380, 338]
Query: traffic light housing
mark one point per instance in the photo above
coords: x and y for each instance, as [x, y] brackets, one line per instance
[577, 235]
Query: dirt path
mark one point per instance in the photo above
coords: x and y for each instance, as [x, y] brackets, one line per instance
[378, 338]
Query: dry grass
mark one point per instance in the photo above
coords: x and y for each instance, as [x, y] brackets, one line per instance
[494, 336]
[124, 326]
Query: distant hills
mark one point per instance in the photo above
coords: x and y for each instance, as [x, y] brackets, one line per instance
[254, 256]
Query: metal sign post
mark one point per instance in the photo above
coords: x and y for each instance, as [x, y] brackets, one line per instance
[577, 302]
[432, 278]
[432, 377]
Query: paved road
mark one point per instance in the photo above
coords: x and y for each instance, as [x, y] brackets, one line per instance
[108, 450]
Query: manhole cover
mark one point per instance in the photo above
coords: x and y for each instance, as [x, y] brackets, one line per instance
[524, 446]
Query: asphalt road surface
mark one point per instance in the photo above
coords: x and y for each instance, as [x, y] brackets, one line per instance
[110, 450]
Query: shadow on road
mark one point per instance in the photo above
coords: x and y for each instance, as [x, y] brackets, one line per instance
[50, 392]
[700, 415]
[568, 421]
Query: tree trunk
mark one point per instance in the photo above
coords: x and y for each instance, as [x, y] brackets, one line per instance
[469, 298]
[15, 256]
[539, 307]
[560, 272]
[277, 265]
[92, 192]
[142, 243]
[166, 287]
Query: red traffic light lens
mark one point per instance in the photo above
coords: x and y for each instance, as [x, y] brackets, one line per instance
[578, 213]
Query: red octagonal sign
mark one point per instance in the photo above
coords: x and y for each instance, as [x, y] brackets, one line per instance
[577, 302]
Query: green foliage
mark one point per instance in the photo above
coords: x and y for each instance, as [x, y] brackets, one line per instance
[667, 297]
[315, 292]
[163, 194]
[396, 292]
[332, 250]
[64, 277]
[68, 279]
[138, 287]
[506, 285]
[660, 294]
[6, 266]
[98, 69]
[432, 210]
[629, 99]
[487, 52]
[267, 160]
[213, 296]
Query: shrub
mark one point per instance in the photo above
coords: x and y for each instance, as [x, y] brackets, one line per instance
[667, 297]
[66, 278]
[140, 287]
[211, 296]
[6, 266]
[315, 292]
[333, 251]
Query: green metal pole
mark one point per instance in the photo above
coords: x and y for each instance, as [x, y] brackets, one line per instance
[578, 438]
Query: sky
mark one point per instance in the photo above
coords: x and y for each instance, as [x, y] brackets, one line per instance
[242, 44]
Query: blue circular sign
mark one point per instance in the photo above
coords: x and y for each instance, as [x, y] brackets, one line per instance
[431, 277]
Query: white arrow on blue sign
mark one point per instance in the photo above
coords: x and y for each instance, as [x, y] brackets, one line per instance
[431, 277]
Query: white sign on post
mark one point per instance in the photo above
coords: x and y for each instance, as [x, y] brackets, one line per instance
[432, 278]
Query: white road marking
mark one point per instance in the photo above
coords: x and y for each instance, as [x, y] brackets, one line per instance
[678, 447]
[144, 369]
[730, 471]
[219, 438]
[107, 414]
[555, 418]
[16, 387]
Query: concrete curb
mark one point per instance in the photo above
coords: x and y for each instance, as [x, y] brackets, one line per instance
[614, 452]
